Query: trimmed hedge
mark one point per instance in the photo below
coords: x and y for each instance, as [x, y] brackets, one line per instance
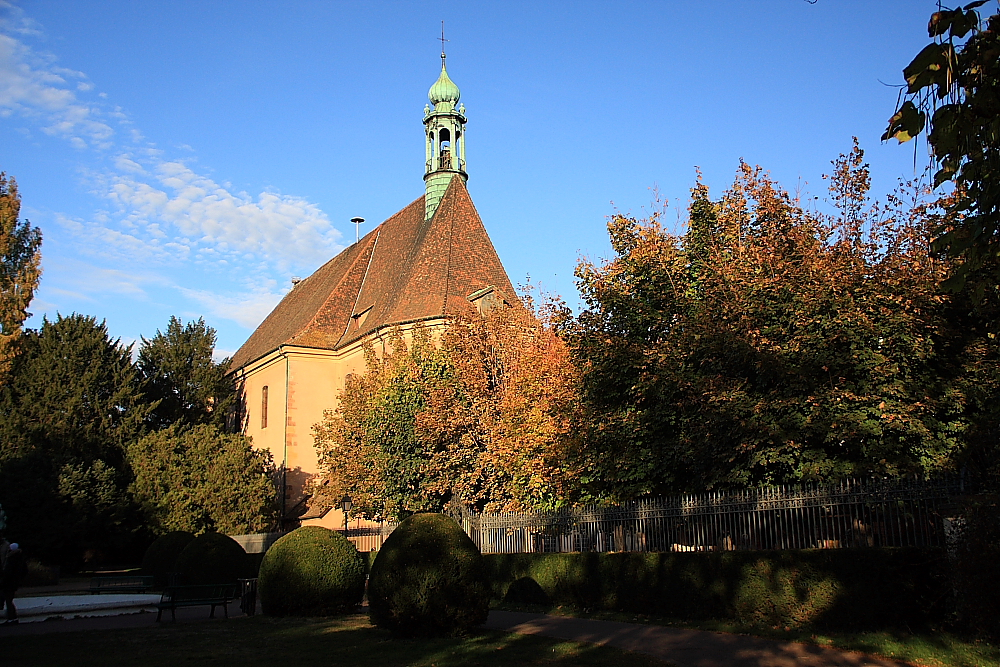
[428, 580]
[834, 589]
[312, 571]
[213, 558]
[160, 558]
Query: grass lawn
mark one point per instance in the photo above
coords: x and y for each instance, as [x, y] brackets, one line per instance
[347, 641]
[939, 649]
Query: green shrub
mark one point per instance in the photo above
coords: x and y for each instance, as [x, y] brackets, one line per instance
[213, 558]
[526, 591]
[428, 580]
[977, 567]
[833, 589]
[160, 558]
[311, 571]
[40, 575]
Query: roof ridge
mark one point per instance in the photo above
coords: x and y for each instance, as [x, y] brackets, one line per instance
[362, 250]
[408, 268]
[371, 256]
[451, 242]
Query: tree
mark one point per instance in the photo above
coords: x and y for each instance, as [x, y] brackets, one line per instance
[198, 479]
[72, 404]
[770, 344]
[181, 377]
[75, 393]
[957, 84]
[20, 258]
[483, 418]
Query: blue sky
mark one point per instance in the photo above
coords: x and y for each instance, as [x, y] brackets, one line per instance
[189, 158]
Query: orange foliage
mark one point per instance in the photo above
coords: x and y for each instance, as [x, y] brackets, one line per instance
[482, 418]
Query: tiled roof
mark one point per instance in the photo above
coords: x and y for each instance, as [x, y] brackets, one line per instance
[405, 269]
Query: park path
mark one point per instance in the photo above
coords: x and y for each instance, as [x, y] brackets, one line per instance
[680, 646]
[683, 647]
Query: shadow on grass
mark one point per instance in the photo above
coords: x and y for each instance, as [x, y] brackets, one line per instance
[934, 649]
[345, 641]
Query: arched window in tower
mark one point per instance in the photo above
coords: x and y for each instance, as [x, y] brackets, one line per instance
[445, 139]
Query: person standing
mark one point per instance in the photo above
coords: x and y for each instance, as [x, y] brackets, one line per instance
[14, 569]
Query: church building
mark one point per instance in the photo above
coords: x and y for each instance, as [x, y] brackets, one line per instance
[429, 262]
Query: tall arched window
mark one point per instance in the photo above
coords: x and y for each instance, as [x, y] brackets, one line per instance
[263, 407]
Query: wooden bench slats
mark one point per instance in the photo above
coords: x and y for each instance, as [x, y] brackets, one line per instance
[197, 595]
[137, 583]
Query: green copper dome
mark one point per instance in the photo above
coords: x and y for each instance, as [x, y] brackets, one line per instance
[444, 89]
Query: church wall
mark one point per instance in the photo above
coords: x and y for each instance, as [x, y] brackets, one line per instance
[302, 383]
[316, 378]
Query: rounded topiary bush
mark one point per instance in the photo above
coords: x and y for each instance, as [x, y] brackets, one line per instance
[428, 580]
[311, 571]
[526, 591]
[160, 558]
[213, 558]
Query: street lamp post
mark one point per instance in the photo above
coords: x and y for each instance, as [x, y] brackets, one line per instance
[346, 504]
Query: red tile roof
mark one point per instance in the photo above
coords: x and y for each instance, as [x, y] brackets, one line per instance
[405, 269]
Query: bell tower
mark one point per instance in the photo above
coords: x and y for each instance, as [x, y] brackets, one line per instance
[444, 129]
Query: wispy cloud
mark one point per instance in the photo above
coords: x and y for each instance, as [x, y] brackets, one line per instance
[282, 229]
[156, 210]
[247, 308]
[82, 281]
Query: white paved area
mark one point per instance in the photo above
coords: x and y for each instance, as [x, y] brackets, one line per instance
[73, 606]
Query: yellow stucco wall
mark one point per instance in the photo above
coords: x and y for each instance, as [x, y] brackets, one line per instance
[302, 383]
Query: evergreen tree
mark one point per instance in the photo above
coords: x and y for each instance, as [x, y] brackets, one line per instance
[181, 377]
[200, 479]
[75, 393]
[19, 269]
[72, 403]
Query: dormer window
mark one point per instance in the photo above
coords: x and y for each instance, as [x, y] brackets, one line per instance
[359, 318]
[487, 300]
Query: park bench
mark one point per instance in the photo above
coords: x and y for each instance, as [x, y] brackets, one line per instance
[216, 595]
[118, 584]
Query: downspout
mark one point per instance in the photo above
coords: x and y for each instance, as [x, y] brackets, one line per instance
[284, 446]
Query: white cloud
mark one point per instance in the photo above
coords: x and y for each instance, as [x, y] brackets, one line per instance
[32, 87]
[157, 211]
[155, 198]
[246, 309]
[84, 281]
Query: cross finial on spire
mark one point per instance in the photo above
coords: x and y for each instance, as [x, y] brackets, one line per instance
[443, 40]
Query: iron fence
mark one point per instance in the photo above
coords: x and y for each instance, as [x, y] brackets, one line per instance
[370, 537]
[854, 513]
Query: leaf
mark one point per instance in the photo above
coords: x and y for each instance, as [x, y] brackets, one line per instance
[941, 22]
[906, 123]
[930, 66]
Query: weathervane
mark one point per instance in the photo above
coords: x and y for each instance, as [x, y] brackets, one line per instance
[443, 40]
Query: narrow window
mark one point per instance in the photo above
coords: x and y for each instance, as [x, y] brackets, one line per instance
[263, 407]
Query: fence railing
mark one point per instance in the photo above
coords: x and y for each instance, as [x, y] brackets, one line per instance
[854, 513]
[370, 538]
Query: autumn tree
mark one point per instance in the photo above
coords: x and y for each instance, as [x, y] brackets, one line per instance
[481, 417]
[19, 269]
[769, 344]
[182, 379]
